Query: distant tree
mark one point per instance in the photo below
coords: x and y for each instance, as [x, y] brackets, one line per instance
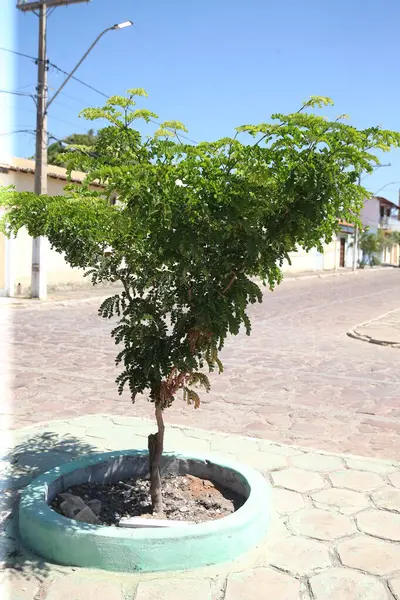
[59, 152]
[369, 245]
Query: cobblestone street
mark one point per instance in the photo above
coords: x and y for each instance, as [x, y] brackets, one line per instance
[298, 379]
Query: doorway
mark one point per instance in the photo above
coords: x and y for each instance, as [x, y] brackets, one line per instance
[342, 256]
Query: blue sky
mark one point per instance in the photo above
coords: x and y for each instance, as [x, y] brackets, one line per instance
[216, 64]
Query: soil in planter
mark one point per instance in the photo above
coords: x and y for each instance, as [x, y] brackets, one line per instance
[186, 498]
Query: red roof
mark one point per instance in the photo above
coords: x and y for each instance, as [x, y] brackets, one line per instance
[386, 202]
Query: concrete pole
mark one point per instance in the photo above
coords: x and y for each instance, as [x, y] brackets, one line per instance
[355, 244]
[39, 279]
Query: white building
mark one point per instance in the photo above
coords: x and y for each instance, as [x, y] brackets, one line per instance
[16, 253]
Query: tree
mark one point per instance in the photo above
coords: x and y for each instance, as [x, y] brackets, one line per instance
[193, 229]
[370, 247]
[58, 152]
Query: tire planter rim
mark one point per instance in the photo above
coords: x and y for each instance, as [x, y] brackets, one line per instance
[69, 542]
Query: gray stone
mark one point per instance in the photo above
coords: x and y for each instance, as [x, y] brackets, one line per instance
[72, 506]
[87, 516]
[95, 506]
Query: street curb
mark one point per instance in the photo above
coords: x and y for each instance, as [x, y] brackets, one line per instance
[353, 333]
[325, 274]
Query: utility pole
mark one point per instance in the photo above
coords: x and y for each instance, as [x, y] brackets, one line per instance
[355, 245]
[39, 279]
[39, 275]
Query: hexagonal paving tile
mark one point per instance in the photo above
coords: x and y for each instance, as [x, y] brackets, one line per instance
[394, 585]
[387, 498]
[360, 481]
[370, 555]
[299, 555]
[254, 583]
[346, 501]
[394, 479]
[170, 589]
[380, 523]
[321, 524]
[286, 501]
[262, 461]
[343, 584]
[298, 480]
[370, 465]
[313, 461]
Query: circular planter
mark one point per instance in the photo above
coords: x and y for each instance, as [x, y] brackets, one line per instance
[69, 542]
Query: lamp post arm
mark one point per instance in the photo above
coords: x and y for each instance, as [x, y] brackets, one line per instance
[77, 66]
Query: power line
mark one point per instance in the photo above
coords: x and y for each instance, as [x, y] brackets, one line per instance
[32, 131]
[16, 93]
[88, 86]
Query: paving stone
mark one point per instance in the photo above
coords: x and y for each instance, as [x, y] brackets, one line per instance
[380, 523]
[259, 582]
[343, 584]
[171, 589]
[91, 587]
[298, 480]
[394, 585]
[15, 586]
[286, 501]
[369, 554]
[387, 498]
[280, 449]
[370, 465]
[299, 555]
[346, 501]
[234, 445]
[263, 461]
[313, 461]
[394, 479]
[360, 481]
[321, 524]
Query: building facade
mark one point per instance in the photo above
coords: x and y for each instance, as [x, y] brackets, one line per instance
[380, 214]
[16, 253]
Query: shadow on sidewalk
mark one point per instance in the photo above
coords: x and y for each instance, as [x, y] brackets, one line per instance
[22, 464]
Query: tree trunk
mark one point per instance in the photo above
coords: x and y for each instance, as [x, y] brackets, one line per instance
[156, 446]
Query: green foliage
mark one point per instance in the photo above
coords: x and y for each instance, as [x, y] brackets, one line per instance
[195, 226]
[58, 152]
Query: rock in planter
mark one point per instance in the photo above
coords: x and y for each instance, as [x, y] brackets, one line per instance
[71, 506]
[95, 506]
[86, 515]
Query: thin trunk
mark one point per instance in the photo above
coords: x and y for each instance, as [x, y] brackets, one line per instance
[156, 446]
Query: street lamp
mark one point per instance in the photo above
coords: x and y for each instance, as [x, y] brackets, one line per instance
[38, 278]
[117, 26]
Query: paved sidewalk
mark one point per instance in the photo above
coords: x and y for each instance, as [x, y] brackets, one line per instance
[384, 331]
[335, 532]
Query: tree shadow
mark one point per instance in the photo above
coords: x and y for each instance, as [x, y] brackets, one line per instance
[22, 464]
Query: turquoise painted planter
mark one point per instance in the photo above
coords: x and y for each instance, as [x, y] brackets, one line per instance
[69, 542]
